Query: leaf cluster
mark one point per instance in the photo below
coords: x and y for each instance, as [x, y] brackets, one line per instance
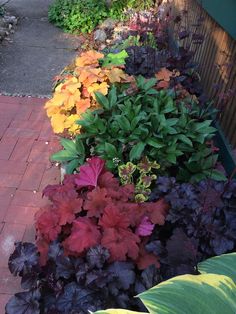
[149, 123]
[93, 207]
[200, 223]
[75, 285]
[75, 92]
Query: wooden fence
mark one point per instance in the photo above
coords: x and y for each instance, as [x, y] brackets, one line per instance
[216, 56]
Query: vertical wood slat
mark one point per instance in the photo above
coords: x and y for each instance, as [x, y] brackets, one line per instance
[217, 63]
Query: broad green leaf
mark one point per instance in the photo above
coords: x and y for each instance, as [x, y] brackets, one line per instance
[112, 96]
[72, 165]
[62, 156]
[206, 294]
[102, 100]
[79, 147]
[115, 59]
[123, 123]
[183, 138]
[136, 151]
[69, 145]
[217, 175]
[154, 143]
[149, 83]
[110, 150]
[221, 265]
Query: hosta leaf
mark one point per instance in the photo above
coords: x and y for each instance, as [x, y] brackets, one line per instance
[222, 265]
[209, 293]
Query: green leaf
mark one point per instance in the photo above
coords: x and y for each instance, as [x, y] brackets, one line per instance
[206, 294]
[62, 156]
[154, 143]
[217, 175]
[183, 138]
[149, 84]
[221, 265]
[136, 151]
[114, 59]
[102, 100]
[112, 97]
[171, 158]
[72, 165]
[123, 123]
[69, 145]
[110, 150]
[79, 147]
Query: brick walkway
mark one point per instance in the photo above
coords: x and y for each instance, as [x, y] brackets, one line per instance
[26, 142]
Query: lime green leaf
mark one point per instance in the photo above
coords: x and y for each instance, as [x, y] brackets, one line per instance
[222, 265]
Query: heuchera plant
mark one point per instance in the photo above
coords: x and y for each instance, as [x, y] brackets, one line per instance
[75, 92]
[91, 206]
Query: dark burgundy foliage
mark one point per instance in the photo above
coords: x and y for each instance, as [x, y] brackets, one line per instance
[201, 223]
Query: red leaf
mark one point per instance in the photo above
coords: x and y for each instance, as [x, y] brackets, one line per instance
[84, 234]
[96, 201]
[68, 209]
[47, 224]
[114, 218]
[121, 244]
[156, 211]
[89, 173]
[107, 180]
[146, 259]
[123, 193]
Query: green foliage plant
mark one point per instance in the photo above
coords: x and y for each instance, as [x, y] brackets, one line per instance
[78, 15]
[149, 123]
[211, 292]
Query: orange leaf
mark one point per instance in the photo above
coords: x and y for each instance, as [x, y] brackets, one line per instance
[82, 105]
[164, 75]
[90, 57]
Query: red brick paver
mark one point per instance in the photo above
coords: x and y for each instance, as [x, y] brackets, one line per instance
[26, 143]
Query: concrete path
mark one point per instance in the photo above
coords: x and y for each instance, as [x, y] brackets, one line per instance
[39, 50]
[26, 143]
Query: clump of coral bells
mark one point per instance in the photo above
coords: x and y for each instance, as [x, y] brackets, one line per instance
[91, 208]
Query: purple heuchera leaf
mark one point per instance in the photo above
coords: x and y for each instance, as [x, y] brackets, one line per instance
[89, 173]
[145, 228]
[24, 302]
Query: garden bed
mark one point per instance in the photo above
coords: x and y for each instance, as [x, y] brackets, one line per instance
[145, 198]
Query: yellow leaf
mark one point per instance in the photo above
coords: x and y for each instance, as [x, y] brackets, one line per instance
[57, 122]
[116, 75]
[71, 100]
[70, 123]
[102, 88]
[89, 76]
[88, 58]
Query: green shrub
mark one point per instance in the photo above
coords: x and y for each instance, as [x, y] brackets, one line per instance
[85, 15]
[77, 15]
[149, 123]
